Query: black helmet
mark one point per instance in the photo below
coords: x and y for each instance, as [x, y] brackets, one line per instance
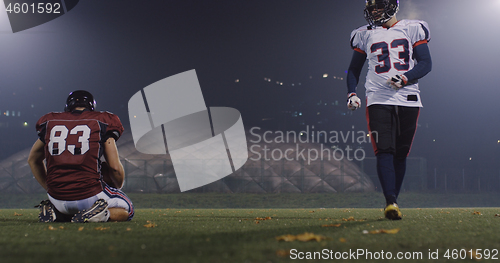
[388, 8]
[80, 98]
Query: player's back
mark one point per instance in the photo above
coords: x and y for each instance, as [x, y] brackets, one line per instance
[73, 146]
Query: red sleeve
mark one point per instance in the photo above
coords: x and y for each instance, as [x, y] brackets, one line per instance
[41, 126]
[115, 128]
[359, 50]
[420, 43]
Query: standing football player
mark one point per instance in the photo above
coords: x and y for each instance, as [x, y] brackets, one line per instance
[392, 92]
[72, 143]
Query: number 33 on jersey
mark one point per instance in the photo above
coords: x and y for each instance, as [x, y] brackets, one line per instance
[389, 52]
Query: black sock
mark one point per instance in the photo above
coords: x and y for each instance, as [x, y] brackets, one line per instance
[387, 175]
[400, 169]
[390, 199]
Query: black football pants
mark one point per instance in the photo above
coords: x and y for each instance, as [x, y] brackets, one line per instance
[392, 130]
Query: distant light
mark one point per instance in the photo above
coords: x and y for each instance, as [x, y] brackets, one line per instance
[237, 80]
[368, 135]
[301, 133]
[498, 141]
[318, 113]
[32, 106]
[470, 159]
[281, 83]
[434, 140]
[325, 75]
[25, 124]
[135, 116]
[300, 113]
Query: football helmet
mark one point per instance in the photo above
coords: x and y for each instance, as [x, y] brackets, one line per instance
[377, 12]
[80, 98]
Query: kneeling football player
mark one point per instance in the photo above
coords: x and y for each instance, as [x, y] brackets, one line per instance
[80, 187]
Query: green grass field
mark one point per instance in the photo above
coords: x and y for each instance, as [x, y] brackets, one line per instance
[245, 235]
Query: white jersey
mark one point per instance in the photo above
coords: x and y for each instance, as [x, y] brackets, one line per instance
[390, 52]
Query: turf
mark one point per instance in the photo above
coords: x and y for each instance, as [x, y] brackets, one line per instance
[283, 200]
[245, 235]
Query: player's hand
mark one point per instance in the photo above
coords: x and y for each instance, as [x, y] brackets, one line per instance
[397, 81]
[353, 102]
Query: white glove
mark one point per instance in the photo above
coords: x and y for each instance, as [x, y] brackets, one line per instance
[397, 81]
[353, 102]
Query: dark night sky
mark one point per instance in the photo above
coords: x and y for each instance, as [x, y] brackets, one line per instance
[114, 48]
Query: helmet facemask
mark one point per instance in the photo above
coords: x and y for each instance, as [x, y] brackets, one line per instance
[378, 12]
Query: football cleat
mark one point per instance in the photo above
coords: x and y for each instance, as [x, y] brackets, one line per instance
[47, 212]
[97, 213]
[392, 212]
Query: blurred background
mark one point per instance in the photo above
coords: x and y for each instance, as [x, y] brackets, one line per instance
[281, 63]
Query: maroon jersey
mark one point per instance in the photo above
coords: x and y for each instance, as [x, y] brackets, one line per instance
[73, 146]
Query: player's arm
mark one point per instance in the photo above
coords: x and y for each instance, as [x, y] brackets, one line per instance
[35, 161]
[424, 65]
[116, 171]
[357, 62]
